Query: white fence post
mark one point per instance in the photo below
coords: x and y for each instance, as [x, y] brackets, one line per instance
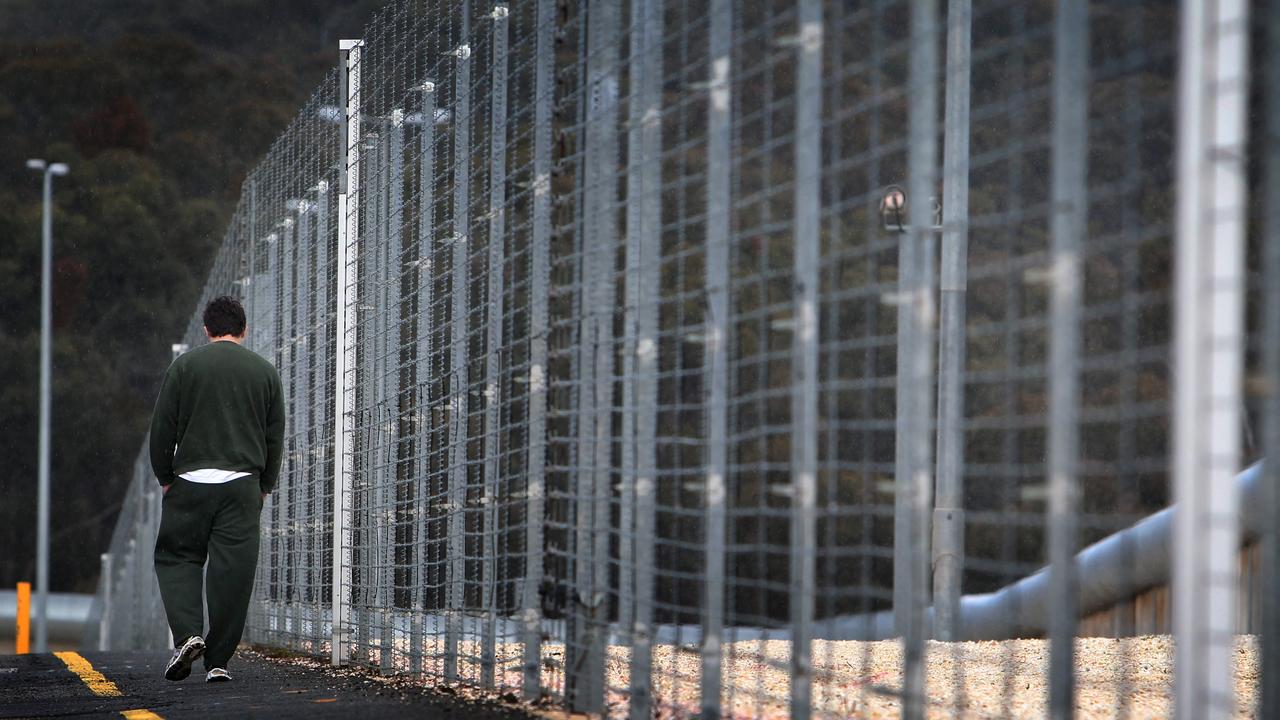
[345, 340]
[1208, 350]
[715, 362]
[804, 358]
[104, 622]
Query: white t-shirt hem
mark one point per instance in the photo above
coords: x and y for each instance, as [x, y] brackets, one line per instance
[212, 476]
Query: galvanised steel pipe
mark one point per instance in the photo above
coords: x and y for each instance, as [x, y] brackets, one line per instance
[68, 612]
[1110, 571]
[948, 511]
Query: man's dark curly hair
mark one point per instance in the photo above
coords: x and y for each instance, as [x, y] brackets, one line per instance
[224, 315]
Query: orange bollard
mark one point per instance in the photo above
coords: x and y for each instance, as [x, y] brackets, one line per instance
[24, 619]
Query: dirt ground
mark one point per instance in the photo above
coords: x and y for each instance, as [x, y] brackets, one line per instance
[1115, 678]
[1130, 678]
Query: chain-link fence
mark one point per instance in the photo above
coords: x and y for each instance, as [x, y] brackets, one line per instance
[710, 358]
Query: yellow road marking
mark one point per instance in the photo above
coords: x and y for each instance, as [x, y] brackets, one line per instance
[100, 685]
[92, 678]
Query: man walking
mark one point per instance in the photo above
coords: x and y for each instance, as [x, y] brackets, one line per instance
[216, 439]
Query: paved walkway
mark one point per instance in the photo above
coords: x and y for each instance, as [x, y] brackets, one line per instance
[132, 685]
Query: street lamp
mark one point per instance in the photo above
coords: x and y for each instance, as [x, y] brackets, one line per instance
[46, 333]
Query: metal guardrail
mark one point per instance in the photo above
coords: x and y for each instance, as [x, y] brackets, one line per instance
[68, 615]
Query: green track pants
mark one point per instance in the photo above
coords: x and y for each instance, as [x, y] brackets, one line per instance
[217, 523]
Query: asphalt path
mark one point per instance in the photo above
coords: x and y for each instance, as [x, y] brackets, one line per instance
[43, 686]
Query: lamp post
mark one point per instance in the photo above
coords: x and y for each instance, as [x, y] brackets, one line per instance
[46, 332]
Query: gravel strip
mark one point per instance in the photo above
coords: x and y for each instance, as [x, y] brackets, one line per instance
[1130, 677]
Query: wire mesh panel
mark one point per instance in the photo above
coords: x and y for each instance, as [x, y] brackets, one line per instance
[287, 260]
[700, 358]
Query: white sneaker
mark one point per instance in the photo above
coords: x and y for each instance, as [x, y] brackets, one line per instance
[217, 675]
[179, 666]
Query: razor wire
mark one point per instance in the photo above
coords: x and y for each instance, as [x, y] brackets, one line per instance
[613, 381]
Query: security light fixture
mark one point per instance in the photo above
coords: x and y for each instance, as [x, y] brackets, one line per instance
[893, 211]
[53, 169]
[893, 207]
[441, 116]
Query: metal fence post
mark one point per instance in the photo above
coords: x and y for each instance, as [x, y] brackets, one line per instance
[104, 622]
[424, 377]
[130, 581]
[585, 683]
[319, 382]
[367, 481]
[459, 384]
[535, 488]
[635, 490]
[948, 512]
[254, 281]
[275, 264]
[907, 348]
[918, 375]
[393, 266]
[630, 305]
[1068, 225]
[646, 381]
[804, 363]
[153, 607]
[493, 356]
[157, 620]
[1269, 681]
[1208, 349]
[715, 361]
[273, 509]
[345, 336]
[300, 414]
[283, 498]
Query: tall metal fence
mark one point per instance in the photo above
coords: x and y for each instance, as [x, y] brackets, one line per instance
[712, 358]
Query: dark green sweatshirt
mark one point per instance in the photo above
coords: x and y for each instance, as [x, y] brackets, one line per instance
[220, 406]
